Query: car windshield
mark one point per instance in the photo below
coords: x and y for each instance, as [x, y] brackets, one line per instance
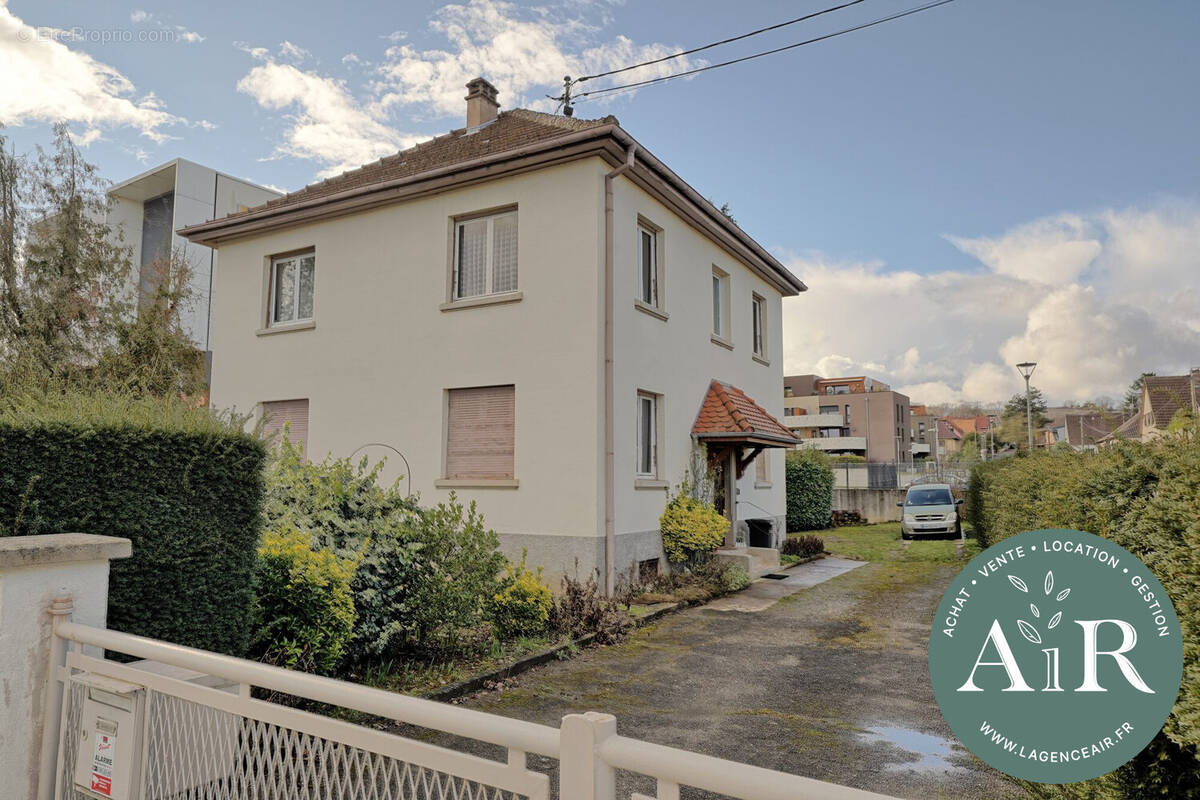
[929, 497]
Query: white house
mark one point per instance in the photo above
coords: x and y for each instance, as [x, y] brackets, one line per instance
[147, 210]
[533, 309]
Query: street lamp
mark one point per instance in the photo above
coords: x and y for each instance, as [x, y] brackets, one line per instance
[1026, 369]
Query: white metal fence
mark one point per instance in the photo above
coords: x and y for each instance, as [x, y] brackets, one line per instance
[208, 739]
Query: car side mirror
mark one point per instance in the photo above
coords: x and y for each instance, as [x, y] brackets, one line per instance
[900, 503]
[958, 502]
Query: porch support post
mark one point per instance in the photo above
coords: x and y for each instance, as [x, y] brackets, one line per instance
[731, 497]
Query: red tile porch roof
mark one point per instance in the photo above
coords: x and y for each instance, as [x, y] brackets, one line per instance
[728, 413]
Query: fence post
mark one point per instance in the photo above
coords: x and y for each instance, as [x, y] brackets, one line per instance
[583, 775]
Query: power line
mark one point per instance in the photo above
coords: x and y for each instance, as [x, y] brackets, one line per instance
[682, 53]
[880, 21]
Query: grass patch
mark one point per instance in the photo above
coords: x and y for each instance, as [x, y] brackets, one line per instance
[882, 542]
[414, 677]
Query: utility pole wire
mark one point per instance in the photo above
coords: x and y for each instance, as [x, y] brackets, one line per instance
[682, 53]
[880, 21]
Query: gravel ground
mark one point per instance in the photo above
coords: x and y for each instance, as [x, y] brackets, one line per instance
[830, 683]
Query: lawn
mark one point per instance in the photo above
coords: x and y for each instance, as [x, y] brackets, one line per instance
[882, 542]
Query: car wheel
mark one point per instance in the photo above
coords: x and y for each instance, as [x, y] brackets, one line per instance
[958, 529]
[905, 536]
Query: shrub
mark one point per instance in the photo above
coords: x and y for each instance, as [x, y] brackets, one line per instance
[522, 605]
[304, 611]
[581, 610]
[809, 490]
[689, 527]
[423, 575]
[1144, 497]
[803, 546]
[184, 484]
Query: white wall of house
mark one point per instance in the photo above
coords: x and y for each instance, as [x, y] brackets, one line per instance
[677, 359]
[381, 354]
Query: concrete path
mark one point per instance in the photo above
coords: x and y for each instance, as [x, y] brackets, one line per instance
[766, 592]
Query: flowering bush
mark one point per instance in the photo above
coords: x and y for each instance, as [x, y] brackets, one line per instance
[521, 607]
[690, 526]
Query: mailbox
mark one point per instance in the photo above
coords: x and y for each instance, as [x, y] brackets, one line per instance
[109, 748]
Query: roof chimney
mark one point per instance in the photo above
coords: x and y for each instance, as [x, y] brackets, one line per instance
[481, 103]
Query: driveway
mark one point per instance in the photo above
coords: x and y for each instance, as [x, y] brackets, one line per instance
[829, 682]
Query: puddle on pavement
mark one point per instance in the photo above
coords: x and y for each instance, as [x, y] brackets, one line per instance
[932, 752]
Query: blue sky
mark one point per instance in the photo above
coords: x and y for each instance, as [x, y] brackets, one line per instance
[980, 180]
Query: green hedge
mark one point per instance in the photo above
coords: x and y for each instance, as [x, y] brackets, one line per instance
[182, 483]
[809, 490]
[1146, 498]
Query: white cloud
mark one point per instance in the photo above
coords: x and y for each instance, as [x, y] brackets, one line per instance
[523, 54]
[1125, 299]
[138, 15]
[326, 124]
[46, 81]
[292, 52]
[191, 37]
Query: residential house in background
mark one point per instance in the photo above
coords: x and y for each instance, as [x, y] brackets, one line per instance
[949, 440]
[538, 313]
[148, 209]
[849, 416]
[1082, 430]
[1162, 397]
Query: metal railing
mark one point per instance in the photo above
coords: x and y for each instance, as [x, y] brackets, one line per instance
[202, 740]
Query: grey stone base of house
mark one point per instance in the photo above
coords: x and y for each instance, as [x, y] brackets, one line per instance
[581, 556]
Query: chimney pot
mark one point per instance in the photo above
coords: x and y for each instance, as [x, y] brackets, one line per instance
[482, 107]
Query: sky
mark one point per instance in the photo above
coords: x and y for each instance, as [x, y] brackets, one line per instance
[983, 183]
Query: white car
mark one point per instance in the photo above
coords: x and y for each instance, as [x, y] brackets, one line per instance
[930, 508]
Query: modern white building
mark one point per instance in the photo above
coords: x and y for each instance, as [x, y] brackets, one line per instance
[533, 309]
[149, 208]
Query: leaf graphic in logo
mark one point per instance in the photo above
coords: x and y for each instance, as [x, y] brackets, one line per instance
[1034, 610]
[1063, 595]
[1054, 621]
[1017, 582]
[1049, 582]
[1029, 632]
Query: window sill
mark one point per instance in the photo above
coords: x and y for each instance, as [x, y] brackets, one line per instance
[763, 484]
[646, 308]
[307, 325]
[650, 483]
[476, 483]
[721, 341]
[761, 360]
[482, 300]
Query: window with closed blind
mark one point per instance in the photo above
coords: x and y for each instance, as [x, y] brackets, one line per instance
[480, 433]
[289, 414]
[485, 255]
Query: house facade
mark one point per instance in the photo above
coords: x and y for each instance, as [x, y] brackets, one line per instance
[147, 210]
[532, 310]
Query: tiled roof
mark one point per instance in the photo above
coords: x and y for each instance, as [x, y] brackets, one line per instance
[728, 410]
[1086, 429]
[1126, 430]
[1168, 393]
[510, 130]
[947, 431]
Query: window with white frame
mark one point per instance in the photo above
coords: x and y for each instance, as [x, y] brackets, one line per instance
[292, 282]
[485, 255]
[759, 319]
[720, 299]
[647, 435]
[648, 266]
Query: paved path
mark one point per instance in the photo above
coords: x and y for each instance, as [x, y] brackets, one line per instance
[830, 682]
[765, 592]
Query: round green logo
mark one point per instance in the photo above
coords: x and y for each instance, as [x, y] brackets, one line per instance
[1055, 656]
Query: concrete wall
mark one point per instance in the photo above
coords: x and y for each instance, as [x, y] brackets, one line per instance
[877, 505]
[34, 571]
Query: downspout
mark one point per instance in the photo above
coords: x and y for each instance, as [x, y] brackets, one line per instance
[610, 547]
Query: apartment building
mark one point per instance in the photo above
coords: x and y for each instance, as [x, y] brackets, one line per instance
[849, 416]
[538, 313]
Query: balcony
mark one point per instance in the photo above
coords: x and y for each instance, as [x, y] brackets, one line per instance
[814, 421]
[920, 449]
[837, 443]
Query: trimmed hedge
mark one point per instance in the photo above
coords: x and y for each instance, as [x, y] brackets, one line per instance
[1146, 498]
[809, 490]
[184, 484]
